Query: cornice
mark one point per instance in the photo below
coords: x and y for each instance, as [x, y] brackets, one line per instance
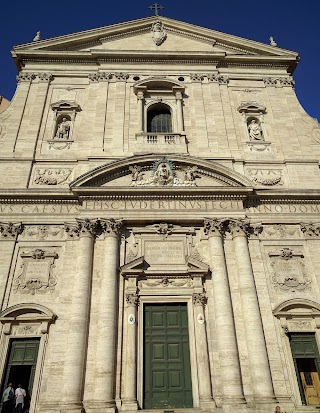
[158, 193]
[174, 57]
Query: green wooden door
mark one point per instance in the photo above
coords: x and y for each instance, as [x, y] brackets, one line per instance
[306, 360]
[167, 372]
[22, 362]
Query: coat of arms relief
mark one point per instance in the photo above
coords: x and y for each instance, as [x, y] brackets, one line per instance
[159, 34]
[163, 173]
[289, 273]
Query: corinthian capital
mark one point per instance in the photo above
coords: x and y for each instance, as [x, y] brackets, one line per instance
[132, 299]
[10, 230]
[310, 230]
[25, 77]
[111, 226]
[214, 227]
[45, 77]
[199, 299]
[82, 227]
[238, 227]
[242, 227]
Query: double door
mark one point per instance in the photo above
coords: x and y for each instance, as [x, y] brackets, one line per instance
[167, 372]
[307, 364]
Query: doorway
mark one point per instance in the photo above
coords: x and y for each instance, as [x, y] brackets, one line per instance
[21, 366]
[307, 363]
[167, 371]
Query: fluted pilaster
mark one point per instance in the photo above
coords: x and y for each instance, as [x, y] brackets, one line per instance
[129, 397]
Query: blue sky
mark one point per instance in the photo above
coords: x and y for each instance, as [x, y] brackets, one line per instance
[294, 25]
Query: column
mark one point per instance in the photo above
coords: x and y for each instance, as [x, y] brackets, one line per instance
[230, 375]
[104, 383]
[204, 377]
[178, 91]
[129, 396]
[257, 352]
[82, 232]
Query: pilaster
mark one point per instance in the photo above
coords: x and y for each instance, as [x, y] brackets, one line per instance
[8, 236]
[129, 394]
[205, 389]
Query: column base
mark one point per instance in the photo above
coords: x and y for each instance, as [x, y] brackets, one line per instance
[207, 405]
[60, 407]
[129, 405]
[99, 407]
[225, 400]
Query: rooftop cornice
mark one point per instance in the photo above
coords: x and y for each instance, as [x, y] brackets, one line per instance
[96, 56]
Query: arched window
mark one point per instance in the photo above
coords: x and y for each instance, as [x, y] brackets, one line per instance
[159, 119]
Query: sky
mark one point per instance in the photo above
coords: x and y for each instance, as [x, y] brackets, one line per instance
[294, 24]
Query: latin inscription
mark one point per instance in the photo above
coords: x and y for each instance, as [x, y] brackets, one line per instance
[164, 252]
[165, 205]
[41, 209]
[156, 205]
[286, 209]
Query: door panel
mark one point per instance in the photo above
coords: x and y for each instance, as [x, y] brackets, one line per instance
[167, 372]
[306, 360]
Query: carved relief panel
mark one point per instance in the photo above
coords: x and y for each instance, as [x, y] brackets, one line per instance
[289, 272]
[36, 272]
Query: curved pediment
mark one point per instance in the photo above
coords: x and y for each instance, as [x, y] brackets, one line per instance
[297, 307]
[157, 171]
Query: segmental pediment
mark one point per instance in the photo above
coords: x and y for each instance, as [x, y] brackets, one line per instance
[152, 171]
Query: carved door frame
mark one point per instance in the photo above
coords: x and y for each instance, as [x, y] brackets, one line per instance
[290, 320]
[187, 299]
[29, 326]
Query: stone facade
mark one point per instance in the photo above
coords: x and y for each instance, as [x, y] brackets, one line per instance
[100, 217]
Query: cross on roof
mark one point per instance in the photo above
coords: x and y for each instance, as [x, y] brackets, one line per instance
[156, 7]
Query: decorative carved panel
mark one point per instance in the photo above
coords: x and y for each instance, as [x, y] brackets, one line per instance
[289, 270]
[36, 275]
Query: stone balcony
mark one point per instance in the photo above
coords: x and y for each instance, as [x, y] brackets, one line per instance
[161, 142]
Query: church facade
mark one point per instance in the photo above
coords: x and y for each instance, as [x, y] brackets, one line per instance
[160, 224]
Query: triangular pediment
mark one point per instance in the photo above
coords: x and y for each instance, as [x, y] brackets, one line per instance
[137, 36]
[156, 172]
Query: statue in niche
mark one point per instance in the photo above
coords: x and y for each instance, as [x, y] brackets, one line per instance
[163, 174]
[63, 129]
[159, 35]
[255, 131]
